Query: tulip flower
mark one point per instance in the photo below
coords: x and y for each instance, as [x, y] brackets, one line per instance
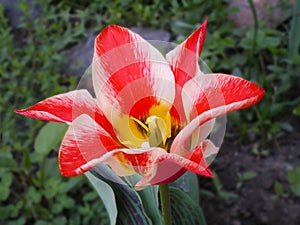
[151, 114]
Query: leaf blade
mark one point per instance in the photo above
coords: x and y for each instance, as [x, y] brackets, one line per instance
[106, 194]
[49, 137]
[184, 210]
[130, 209]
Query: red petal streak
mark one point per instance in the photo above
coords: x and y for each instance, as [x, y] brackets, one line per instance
[64, 108]
[212, 95]
[60, 108]
[184, 64]
[127, 69]
[184, 58]
[141, 162]
[177, 110]
[86, 145]
[84, 141]
[196, 40]
[210, 91]
[168, 167]
[142, 107]
[111, 37]
[201, 152]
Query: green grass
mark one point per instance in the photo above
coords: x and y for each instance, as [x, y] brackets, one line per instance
[31, 67]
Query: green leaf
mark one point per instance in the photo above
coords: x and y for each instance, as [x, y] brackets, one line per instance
[67, 202]
[286, 126]
[184, 210]
[49, 137]
[247, 175]
[296, 111]
[217, 183]
[219, 187]
[6, 179]
[188, 182]
[272, 41]
[5, 192]
[244, 177]
[294, 179]
[106, 194]
[129, 205]
[7, 161]
[74, 182]
[60, 220]
[279, 190]
[182, 28]
[130, 208]
[57, 208]
[26, 160]
[34, 195]
[227, 194]
[149, 197]
[53, 187]
[19, 221]
[294, 41]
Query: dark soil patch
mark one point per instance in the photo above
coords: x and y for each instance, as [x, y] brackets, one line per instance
[257, 202]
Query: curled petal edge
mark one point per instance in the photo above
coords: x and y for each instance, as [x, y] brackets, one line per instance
[86, 144]
[168, 167]
[236, 92]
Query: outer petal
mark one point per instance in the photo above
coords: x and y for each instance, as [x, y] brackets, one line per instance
[66, 107]
[168, 167]
[209, 96]
[209, 91]
[60, 108]
[130, 77]
[184, 64]
[87, 145]
[84, 141]
[184, 58]
[127, 70]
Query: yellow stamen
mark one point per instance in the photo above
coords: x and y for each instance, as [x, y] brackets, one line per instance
[157, 131]
[154, 128]
[140, 123]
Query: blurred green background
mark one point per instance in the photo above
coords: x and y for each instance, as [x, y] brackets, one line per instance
[264, 50]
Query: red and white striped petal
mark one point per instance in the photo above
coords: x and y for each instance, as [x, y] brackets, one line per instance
[184, 64]
[209, 91]
[84, 141]
[86, 145]
[201, 133]
[128, 71]
[168, 167]
[209, 96]
[184, 58]
[64, 108]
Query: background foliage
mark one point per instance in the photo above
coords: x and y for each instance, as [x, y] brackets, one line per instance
[31, 68]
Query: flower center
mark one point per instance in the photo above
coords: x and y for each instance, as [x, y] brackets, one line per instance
[154, 128]
[157, 129]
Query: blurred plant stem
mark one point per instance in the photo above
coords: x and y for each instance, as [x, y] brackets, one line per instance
[294, 40]
[252, 51]
[165, 203]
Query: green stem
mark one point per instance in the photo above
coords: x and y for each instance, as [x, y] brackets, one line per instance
[165, 203]
[252, 51]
